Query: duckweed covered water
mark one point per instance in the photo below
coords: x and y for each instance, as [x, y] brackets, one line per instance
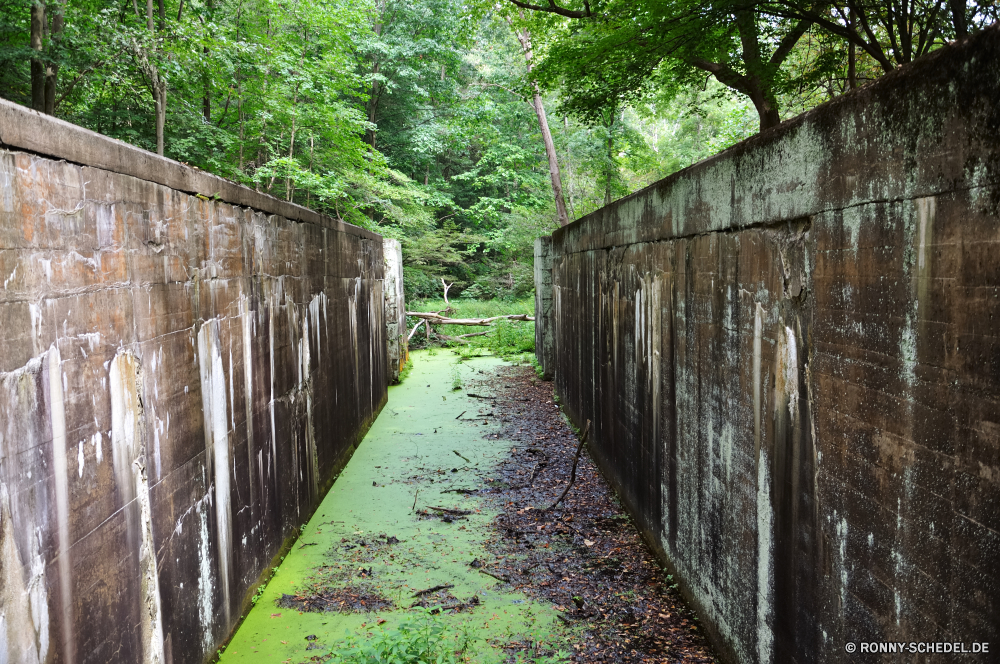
[367, 548]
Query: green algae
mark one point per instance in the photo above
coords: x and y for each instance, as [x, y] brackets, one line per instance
[367, 542]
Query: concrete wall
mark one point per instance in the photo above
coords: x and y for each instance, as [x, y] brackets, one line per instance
[180, 379]
[791, 358]
[397, 352]
[544, 346]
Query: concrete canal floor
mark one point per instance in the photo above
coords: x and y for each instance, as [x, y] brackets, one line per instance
[375, 542]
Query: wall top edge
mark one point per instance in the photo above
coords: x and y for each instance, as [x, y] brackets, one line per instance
[893, 139]
[24, 129]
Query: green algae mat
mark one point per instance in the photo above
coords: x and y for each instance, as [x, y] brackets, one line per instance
[395, 552]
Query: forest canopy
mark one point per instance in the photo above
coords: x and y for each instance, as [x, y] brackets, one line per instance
[463, 128]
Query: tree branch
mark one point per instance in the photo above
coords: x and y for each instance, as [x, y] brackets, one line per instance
[788, 43]
[553, 8]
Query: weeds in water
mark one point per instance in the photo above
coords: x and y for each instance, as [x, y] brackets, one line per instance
[422, 639]
[456, 378]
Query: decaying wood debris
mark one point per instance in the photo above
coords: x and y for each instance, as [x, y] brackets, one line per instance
[431, 318]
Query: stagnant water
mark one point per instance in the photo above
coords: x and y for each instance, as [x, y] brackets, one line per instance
[374, 542]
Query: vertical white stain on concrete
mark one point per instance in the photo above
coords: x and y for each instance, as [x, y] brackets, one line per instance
[757, 335]
[24, 606]
[128, 453]
[765, 571]
[765, 511]
[790, 373]
[60, 475]
[311, 452]
[248, 324]
[206, 588]
[97, 441]
[213, 395]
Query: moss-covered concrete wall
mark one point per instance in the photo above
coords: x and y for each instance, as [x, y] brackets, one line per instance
[790, 355]
[184, 366]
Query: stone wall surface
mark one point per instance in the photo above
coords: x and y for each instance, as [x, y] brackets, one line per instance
[790, 355]
[180, 380]
[397, 352]
[543, 306]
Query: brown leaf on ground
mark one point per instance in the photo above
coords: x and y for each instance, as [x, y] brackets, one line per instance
[584, 556]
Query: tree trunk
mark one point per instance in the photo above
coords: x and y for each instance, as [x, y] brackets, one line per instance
[766, 105]
[37, 63]
[52, 69]
[958, 18]
[206, 101]
[524, 37]
[160, 100]
[158, 84]
[550, 152]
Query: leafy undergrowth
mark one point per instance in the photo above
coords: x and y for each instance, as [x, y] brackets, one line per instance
[421, 639]
[584, 556]
[511, 340]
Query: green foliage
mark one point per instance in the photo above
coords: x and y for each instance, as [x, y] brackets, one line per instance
[421, 639]
[415, 118]
[514, 340]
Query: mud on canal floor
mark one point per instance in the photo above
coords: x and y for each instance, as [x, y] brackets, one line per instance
[438, 522]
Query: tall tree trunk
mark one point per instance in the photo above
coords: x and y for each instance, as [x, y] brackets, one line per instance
[524, 37]
[158, 84]
[958, 18]
[206, 100]
[37, 63]
[550, 152]
[160, 100]
[52, 68]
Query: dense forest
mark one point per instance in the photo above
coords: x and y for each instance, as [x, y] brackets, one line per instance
[464, 128]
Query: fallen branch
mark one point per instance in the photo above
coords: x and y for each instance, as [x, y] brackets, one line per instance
[495, 576]
[434, 589]
[459, 454]
[438, 319]
[576, 459]
[414, 330]
[449, 511]
[478, 417]
[478, 396]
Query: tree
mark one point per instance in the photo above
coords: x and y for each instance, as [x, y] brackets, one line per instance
[617, 50]
[892, 33]
[524, 37]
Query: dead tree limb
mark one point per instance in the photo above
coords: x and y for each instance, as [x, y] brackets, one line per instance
[437, 319]
[576, 459]
[447, 304]
[415, 328]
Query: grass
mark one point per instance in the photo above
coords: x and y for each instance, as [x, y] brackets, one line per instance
[512, 340]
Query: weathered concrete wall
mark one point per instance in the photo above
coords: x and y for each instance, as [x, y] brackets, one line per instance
[395, 310]
[791, 358]
[180, 379]
[543, 306]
